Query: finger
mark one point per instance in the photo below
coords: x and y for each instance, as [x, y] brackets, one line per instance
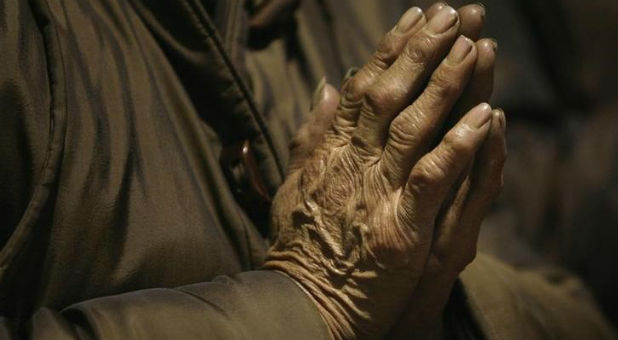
[435, 173]
[311, 133]
[396, 88]
[434, 9]
[388, 49]
[413, 130]
[479, 87]
[422, 318]
[485, 186]
[456, 233]
[481, 83]
[472, 19]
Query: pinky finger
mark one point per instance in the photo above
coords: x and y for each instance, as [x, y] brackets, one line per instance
[435, 173]
[486, 178]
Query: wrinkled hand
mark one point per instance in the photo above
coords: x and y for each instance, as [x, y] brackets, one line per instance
[358, 214]
[455, 236]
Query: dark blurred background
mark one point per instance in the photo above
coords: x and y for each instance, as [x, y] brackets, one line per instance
[556, 79]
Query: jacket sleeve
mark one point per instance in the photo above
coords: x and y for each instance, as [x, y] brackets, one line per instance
[515, 303]
[256, 304]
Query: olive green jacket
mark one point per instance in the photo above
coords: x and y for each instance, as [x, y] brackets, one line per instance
[120, 218]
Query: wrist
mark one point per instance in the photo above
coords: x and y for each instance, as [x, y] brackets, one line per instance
[328, 300]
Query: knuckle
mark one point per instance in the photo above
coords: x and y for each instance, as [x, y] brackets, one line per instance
[399, 134]
[425, 176]
[380, 61]
[454, 143]
[420, 49]
[347, 106]
[404, 128]
[386, 52]
[387, 95]
[378, 97]
[442, 86]
[386, 45]
[354, 89]
[441, 163]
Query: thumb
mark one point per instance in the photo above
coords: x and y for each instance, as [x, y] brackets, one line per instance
[323, 108]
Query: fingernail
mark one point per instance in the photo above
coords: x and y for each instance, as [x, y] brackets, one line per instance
[479, 115]
[460, 50]
[483, 8]
[499, 114]
[436, 7]
[440, 4]
[409, 19]
[494, 44]
[443, 20]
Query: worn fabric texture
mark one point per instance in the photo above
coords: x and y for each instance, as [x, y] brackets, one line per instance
[116, 217]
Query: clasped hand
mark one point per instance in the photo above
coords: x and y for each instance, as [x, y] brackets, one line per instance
[381, 208]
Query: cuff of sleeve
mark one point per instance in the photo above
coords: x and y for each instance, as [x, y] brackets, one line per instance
[265, 304]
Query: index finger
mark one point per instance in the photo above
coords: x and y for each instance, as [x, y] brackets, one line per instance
[354, 89]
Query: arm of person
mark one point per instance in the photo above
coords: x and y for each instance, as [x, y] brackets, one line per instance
[255, 304]
[519, 303]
